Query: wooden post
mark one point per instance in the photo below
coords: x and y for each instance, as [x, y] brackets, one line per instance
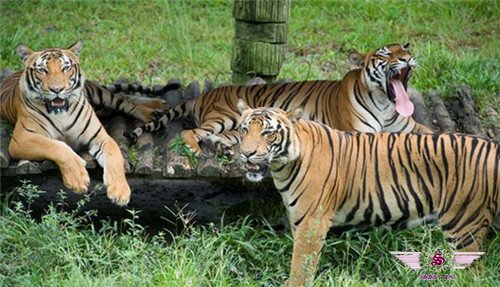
[260, 38]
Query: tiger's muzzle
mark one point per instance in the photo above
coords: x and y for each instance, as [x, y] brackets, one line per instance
[57, 105]
[256, 168]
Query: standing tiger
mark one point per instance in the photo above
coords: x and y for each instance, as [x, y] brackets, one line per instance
[330, 178]
[48, 102]
[371, 98]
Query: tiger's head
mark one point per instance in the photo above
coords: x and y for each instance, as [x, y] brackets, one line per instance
[388, 70]
[52, 77]
[268, 139]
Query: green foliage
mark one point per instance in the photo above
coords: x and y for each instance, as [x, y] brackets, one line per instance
[224, 160]
[178, 146]
[133, 155]
[63, 248]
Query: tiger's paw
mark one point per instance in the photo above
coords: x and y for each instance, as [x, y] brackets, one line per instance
[191, 142]
[158, 104]
[195, 149]
[74, 174]
[119, 192]
[221, 144]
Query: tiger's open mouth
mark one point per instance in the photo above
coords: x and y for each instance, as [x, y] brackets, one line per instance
[397, 84]
[255, 171]
[56, 105]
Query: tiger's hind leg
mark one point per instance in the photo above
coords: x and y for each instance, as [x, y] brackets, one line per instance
[123, 100]
[213, 126]
[467, 237]
[142, 108]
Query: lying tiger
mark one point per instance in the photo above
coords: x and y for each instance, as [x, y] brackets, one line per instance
[330, 178]
[49, 102]
[372, 98]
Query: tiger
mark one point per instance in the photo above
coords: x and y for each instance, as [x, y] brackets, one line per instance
[49, 102]
[371, 98]
[328, 177]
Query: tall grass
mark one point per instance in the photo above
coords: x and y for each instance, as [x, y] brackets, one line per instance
[64, 248]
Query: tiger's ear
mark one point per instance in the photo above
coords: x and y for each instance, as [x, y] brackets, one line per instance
[406, 46]
[24, 52]
[242, 106]
[357, 59]
[76, 48]
[295, 115]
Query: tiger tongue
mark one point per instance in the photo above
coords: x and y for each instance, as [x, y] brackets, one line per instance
[58, 102]
[403, 104]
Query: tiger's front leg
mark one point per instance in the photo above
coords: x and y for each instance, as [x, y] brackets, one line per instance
[108, 155]
[309, 238]
[26, 144]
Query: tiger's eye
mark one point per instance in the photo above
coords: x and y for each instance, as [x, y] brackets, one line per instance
[41, 70]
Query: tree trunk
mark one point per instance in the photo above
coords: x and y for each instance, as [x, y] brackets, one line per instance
[260, 39]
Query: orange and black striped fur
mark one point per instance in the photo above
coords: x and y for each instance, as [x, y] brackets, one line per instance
[362, 101]
[49, 102]
[330, 178]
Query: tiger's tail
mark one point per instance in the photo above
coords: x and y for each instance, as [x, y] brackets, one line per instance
[162, 119]
[137, 88]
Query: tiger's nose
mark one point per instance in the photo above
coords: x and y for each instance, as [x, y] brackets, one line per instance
[247, 154]
[57, 90]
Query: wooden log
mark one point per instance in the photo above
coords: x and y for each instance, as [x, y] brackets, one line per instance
[145, 161]
[5, 133]
[28, 167]
[207, 86]
[209, 167]
[193, 90]
[48, 165]
[118, 125]
[90, 161]
[175, 165]
[174, 97]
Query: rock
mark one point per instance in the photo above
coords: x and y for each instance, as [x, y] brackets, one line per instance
[255, 81]
[440, 116]
[464, 112]
[420, 114]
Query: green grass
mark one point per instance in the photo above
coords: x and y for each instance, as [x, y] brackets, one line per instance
[64, 249]
[178, 146]
[153, 41]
